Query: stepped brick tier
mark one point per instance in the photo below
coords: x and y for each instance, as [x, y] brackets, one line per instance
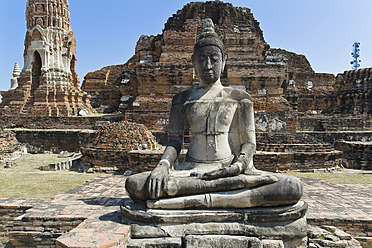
[48, 84]
[162, 67]
[294, 151]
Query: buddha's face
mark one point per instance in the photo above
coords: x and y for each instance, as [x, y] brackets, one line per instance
[208, 63]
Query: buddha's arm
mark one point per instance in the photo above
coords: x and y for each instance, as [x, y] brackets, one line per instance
[159, 176]
[243, 163]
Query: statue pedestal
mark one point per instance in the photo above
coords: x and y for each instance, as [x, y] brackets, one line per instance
[253, 227]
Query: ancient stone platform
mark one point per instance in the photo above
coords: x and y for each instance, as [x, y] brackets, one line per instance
[89, 215]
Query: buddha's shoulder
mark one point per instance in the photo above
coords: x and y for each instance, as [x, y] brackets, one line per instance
[236, 94]
[181, 97]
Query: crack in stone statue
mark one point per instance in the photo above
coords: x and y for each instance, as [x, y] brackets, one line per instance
[218, 170]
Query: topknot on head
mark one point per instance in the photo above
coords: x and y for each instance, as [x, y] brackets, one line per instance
[208, 25]
[209, 37]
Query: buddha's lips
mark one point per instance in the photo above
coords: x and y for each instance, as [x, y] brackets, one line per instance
[208, 73]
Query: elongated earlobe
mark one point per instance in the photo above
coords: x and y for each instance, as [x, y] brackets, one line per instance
[193, 64]
[224, 62]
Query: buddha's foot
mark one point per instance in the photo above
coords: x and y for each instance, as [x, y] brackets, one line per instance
[185, 202]
[192, 186]
[285, 191]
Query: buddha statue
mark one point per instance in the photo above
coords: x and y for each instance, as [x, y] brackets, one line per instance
[218, 170]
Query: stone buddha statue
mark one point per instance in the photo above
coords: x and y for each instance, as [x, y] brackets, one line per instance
[218, 170]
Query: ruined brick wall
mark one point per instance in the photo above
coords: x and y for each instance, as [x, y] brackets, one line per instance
[8, 144]
[352, 93]
[305, 89]
[316, 97]
[109, 85]
[51, 122]
[335, 122]
[294, 151]
[56, 141]
[358, 154]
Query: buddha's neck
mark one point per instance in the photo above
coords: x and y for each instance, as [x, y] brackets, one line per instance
[211, 88]
[208, 86]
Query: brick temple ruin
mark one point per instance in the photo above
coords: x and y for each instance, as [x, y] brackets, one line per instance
[162, 67]
[283, 85]
[48, 84]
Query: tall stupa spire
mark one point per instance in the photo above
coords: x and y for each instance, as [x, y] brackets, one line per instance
[49, 35]
[48, 83]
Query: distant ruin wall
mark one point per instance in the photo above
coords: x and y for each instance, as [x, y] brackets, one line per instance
[358, 154]
[49, 122]
[352, 93]
[332, 136]
[56, 141]
[335, 123]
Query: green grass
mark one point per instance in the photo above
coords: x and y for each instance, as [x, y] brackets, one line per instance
[24, 180]
[31, 162]
[39, 185]
[342, 177]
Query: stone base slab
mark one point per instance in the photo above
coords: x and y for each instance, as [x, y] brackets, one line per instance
[139, 213]
[216, 241]
[254, 227]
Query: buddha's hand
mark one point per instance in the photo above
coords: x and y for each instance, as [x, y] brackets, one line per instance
[232, 170]
[158, 179]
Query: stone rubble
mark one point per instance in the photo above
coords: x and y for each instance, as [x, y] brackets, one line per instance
[330, 236]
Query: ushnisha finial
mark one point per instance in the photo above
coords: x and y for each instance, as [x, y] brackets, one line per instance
[209, 37]
[208, 25]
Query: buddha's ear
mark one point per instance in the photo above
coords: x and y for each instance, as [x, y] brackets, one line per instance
[223, 62]
[193, 58]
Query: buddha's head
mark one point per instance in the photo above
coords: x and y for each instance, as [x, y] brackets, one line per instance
[209, 54]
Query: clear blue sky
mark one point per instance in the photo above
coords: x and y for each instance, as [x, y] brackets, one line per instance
[107, 31]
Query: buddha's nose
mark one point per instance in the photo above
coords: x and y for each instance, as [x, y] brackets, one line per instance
[209, 64]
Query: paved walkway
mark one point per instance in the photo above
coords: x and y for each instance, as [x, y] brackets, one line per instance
[98, 201]
[338, 201]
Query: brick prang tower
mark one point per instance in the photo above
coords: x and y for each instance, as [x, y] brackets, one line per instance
[48, 84]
